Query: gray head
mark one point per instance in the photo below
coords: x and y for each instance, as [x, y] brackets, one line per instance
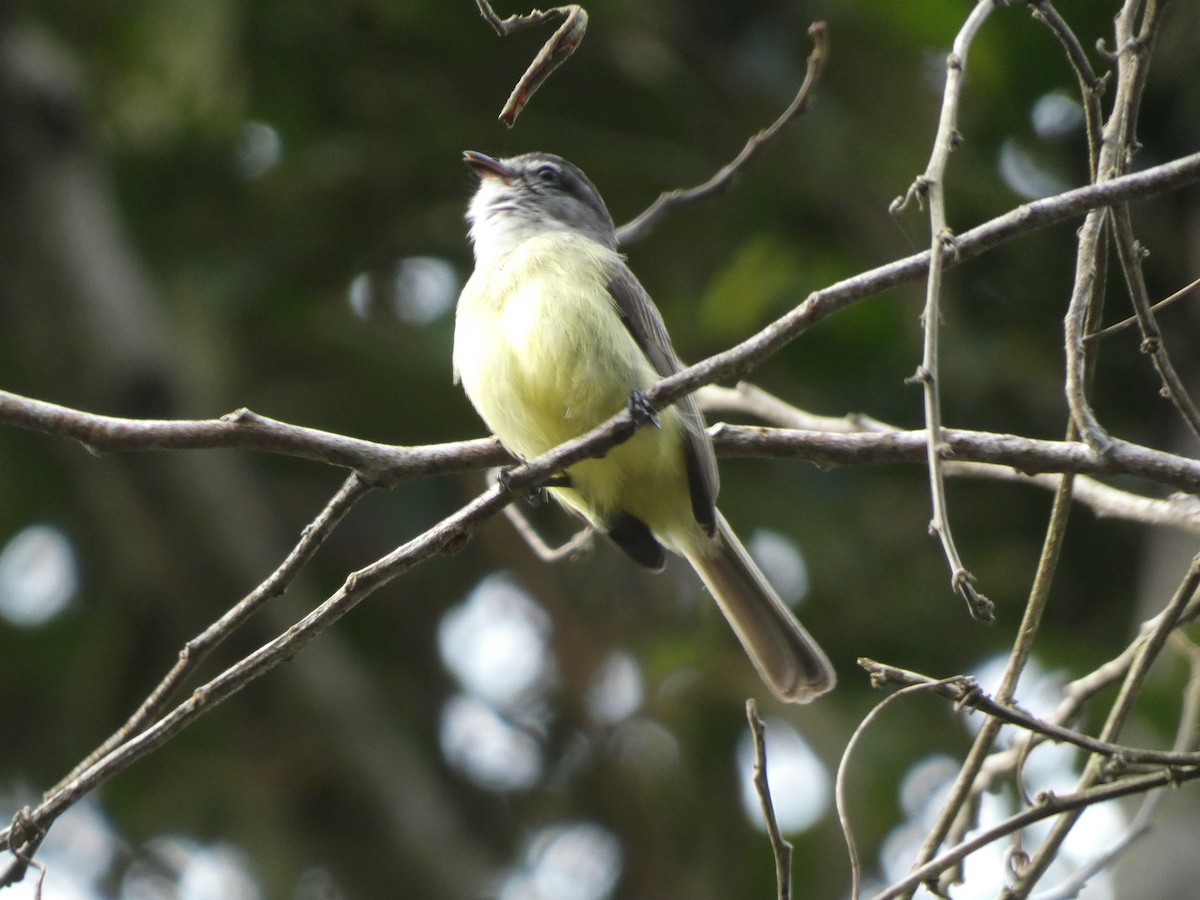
[527, 195]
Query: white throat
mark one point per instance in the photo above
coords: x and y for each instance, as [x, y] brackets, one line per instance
[499, 224]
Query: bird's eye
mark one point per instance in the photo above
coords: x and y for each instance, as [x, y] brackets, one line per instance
[547, 173]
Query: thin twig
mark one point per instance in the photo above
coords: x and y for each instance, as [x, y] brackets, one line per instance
[26, 837]
[447, 536]
[646, 221]
[1091, 87]
[577, 544]
[739, 360]
[196, 650]
[1075, 695]
[780, 848]
[1022, 649]
[931, 185]
[839, 790]
[1133, 320]
[1078, 314]
[966, 694]
[553, 54]
[1130, 255]
[746, 398]
[1079, 691]
[1134, 42]
[580, 542]
[1185, 736]
[953, 819]
[1049, 805]
[1147, 653]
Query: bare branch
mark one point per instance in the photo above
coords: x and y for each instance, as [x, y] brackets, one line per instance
[1185, 737]
[1025, 455]
[966, 693]
[446, 536]
[839, 791]
[932, 187]
[1148, 649]
[1134, 41]
[382, 464]
[1129, 252]
[739, 360]
[648, 219]
[1048, 805]
[1133, 320]
[818, 439]
[780, 847]
[1091, 88]
[553, 54]
[958, 810]
[843, 443]
[196, 650]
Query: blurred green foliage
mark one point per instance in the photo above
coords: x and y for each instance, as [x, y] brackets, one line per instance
[249, 273]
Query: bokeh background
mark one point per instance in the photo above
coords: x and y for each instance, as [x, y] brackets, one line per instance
[210, 204]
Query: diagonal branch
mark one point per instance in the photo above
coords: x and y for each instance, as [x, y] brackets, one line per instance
[198, 648]
[1049, 805]
[739, 360]
[648, 219]
[1147, 652]
[445, 537]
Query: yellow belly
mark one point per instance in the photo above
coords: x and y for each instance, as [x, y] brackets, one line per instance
[544, 357]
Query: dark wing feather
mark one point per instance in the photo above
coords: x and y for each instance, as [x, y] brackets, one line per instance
[645, 323]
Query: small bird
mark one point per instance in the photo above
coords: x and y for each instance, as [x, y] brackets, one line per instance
[553, 335]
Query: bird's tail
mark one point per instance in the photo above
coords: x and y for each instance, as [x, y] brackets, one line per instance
[785, 655]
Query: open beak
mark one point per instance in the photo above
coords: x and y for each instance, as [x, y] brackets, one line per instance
[486, 166]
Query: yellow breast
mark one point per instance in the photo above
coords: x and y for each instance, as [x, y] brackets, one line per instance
[544, 356]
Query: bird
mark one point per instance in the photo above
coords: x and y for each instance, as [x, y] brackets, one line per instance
[553, 335]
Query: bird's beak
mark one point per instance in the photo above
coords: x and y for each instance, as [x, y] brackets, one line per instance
[486, 166]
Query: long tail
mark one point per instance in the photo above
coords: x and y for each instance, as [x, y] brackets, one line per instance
[785, 655]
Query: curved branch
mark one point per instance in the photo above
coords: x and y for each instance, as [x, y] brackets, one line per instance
[553, 54]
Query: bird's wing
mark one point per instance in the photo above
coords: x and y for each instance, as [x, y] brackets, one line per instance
[645, 323]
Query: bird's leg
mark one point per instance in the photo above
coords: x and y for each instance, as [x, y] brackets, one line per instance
[641, 409]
